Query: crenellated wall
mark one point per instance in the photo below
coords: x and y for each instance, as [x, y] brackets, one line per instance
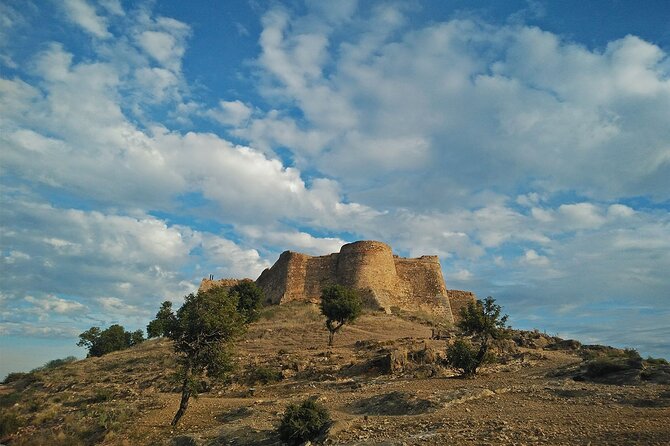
[384, 280]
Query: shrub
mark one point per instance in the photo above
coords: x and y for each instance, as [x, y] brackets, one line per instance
[304, 422]
[54, 363]
[604, 366]
[9, 423]
[265, 375]
[13, 377]
[656, 361]
[461, 356]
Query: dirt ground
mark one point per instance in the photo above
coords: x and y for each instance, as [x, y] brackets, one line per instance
[518, 403]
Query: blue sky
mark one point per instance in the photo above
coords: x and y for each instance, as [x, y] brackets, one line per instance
[146, 145]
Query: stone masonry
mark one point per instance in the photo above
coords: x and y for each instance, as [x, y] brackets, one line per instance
[385, 281]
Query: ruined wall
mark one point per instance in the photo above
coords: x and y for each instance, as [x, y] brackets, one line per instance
[207, 284]
[460, 299]
[368, 266]
[383, 280]
[422, 285]
[320, 273]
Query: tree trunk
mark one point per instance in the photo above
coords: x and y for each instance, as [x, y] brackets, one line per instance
[185, 396]
[331, 333]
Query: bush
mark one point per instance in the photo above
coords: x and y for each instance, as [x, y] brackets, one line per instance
[56, 363]
[604, 366]
[461, 356]
[656, 361]
[9, 423]
[14, 376]
[265, 375]
[303, 423]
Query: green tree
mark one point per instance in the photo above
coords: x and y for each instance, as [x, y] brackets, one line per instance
[206, 325]
[250, 299]
[163, 323]
[482, 321]
[340, 305]
[115, 337]
[136, 337]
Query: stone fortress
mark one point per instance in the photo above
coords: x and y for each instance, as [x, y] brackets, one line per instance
[385, 281]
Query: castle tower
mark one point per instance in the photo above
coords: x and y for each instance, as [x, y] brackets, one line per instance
[368, 266]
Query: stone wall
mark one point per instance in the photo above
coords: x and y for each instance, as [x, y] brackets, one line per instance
[207, 284]
[383, 280]
[459, 299]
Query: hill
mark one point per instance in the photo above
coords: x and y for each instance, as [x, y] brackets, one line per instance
[382, 382]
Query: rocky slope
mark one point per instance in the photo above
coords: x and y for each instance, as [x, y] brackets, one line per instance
[383, 384]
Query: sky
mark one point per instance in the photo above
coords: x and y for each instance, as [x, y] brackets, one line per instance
[148, 144]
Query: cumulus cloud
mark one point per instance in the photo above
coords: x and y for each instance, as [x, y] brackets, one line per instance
[479, 104]
[84, 15]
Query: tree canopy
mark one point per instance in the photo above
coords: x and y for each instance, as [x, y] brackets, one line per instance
[482, 321]
[340, 305]
[250, 299]
[100, 342]
[205, 327]
[164, 322]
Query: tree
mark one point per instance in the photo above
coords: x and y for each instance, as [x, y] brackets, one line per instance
[340, 305]
[164, 322]
[136, 337]
[205, 327]
[115, 337]
[250, 299]
[482, 321]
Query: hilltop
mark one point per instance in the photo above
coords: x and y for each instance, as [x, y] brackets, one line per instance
[382, 382]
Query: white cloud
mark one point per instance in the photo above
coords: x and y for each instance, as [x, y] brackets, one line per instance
[479, 104]
[581, 216]
[531, 257]
[84, 15]
[293, 240]
[462, 275]
[51, 303]
[233, 113]
[16, 256]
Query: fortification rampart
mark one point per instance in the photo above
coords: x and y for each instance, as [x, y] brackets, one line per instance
[384, 280]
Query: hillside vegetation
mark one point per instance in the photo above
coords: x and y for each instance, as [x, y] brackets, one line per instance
[383, 383]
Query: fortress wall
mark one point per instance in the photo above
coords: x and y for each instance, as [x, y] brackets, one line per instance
[458, 300]
[369, 267]
[424, 286]
[273, 280]
[295, 277]
[366, 264]
[320, 273]
[382, 279]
